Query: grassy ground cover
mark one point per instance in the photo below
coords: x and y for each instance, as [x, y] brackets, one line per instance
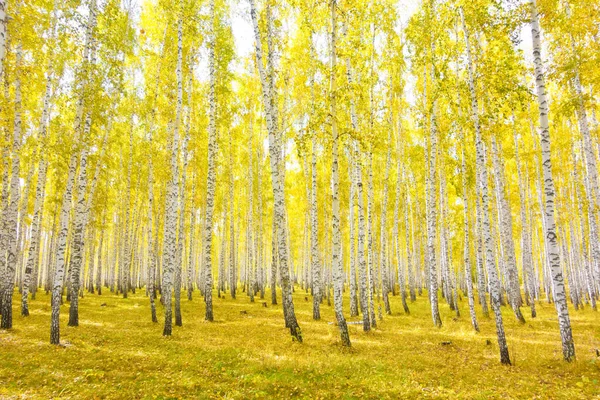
[118, 353]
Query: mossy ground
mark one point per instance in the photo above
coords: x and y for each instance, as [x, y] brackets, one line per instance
[118, 353]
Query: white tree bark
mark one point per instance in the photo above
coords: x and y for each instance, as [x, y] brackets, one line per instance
[467, 253]
[269, 102]
[251, 257]
[232, 245]
[506, 235]
[76, 259]
[352, 224]
[336, 256]
[211, 173]
[191, 252]
[370, 249]
[261, 270]
[38, 208]
[152, 254]
[314, 237]
[179, 255]
[170, 224]
[526, 256]
[125, 277]
[494, 283]
[362, 263]
[10, 222]
[560, 299]
[385, 286]
[431, 222]
[59, 267]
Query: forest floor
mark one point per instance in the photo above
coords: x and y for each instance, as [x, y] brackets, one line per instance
[118, 353]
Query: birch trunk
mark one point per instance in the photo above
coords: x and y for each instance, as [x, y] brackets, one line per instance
[251, 257]
[232, 245]
[99, 263]
[127, 240]
[269, 102]
[355, 173]
[10, 222]
[336, 256]
[560, 299]
[587, 270]
[59, 268]
[76, 260]
[314, 238]
[526, 256]
[352, 224]
[514, 290]
[467, 256]
[191, 258]
[170, 224]
[383, 237]
[412, 257]
[181, 235]
[211, 175]
[38, 208]
[260, 233]
[362, 263]
[494, 283]
[590, 157]
[431, 223]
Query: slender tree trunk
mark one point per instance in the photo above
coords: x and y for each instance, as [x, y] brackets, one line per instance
[38, 208]
[514, 291]
[385, 286]
[560, 299]
[467, 256]
[232, 244]
[170, 224]
[314, 238]
[10, 222]
[59, 268]
[260, 233]
[76, 260]
[251, 256]
[370, 247]
[274, 264]
[181, 236]
[494, 282]
[526, 256]
[269, 100]
[211, 175]
[336, 256]
[127, 236]
[352, 224]
[431, 223]
[362, 263]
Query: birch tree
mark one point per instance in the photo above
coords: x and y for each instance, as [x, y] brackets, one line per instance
[560, 298]
[268, 87]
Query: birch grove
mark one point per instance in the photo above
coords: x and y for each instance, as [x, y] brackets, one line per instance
[345, 166]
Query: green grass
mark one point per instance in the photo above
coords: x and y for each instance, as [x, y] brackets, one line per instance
[118, 353]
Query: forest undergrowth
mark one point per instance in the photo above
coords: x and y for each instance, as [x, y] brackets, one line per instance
[118, 353]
